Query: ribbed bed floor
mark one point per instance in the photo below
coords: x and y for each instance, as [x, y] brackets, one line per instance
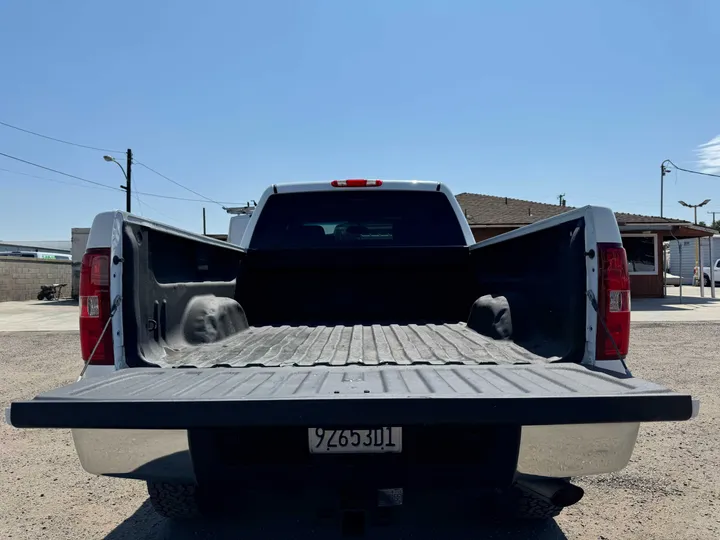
[413, 344]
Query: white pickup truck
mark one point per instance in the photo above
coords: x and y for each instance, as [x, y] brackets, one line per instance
[357, 351]
[706, 274]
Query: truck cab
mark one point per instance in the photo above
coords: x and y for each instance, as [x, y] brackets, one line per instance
[707, 272]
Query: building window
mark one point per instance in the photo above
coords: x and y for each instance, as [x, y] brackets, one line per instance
[641, 254]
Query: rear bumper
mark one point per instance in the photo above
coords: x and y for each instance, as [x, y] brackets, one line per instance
[164, 455]
[557, 451]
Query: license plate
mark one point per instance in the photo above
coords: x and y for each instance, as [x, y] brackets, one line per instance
[355, 441]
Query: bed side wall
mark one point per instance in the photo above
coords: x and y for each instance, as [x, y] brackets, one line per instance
[542, 276]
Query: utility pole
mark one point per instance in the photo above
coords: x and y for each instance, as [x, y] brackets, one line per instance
[713, 220]
[127, 172]
[204, 229]
[128, 177]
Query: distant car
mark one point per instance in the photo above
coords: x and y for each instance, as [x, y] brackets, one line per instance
[36, 255]
[671, 279]
[706, 274]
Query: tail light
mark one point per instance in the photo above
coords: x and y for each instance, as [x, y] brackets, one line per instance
[613, 302]
[356, 183]
[95, 307]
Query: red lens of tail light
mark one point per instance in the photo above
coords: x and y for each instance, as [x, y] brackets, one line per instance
[95, 307]
[613, 303]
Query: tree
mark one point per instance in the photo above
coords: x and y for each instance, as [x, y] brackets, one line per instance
[715, 225]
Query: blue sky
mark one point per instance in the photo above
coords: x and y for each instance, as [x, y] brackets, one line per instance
[522, 99]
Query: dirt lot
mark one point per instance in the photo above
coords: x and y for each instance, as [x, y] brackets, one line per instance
[670, 490]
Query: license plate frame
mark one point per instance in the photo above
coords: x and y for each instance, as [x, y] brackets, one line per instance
[381, 440]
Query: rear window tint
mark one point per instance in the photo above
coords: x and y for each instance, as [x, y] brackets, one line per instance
[371, 218]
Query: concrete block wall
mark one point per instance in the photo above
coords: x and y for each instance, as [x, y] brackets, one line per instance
[20, 278]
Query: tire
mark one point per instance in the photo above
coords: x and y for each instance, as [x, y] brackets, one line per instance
[521, 503]
[707, 281]
[41, 296]
[175, 501]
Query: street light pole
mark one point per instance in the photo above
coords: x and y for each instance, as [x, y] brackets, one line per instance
[663, 171]
[127, 173]
[698, 258]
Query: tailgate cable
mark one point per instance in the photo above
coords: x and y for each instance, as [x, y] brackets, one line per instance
[594, 304]
[113, 309]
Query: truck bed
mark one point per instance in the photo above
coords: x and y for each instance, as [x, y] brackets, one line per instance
[393, 344]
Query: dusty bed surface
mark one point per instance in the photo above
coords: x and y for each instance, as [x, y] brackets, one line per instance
[669, 491]
[412, 344]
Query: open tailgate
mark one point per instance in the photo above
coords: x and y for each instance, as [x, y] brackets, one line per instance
[150, 398]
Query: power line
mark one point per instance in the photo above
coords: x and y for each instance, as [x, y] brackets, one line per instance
[181, 198]
[61, 140]
[691, 171]
[56, 180]
[137, 197]
[143, 204]
[166, 216]
[112, 152]
[110, 187]
[56, 171]
[178, 183]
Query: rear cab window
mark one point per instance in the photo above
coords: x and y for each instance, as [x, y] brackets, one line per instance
[357, 218]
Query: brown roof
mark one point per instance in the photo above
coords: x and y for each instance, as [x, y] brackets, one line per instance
[491, 210]
[624, 218]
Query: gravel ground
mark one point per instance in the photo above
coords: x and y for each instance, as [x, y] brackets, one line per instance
[670, 490]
